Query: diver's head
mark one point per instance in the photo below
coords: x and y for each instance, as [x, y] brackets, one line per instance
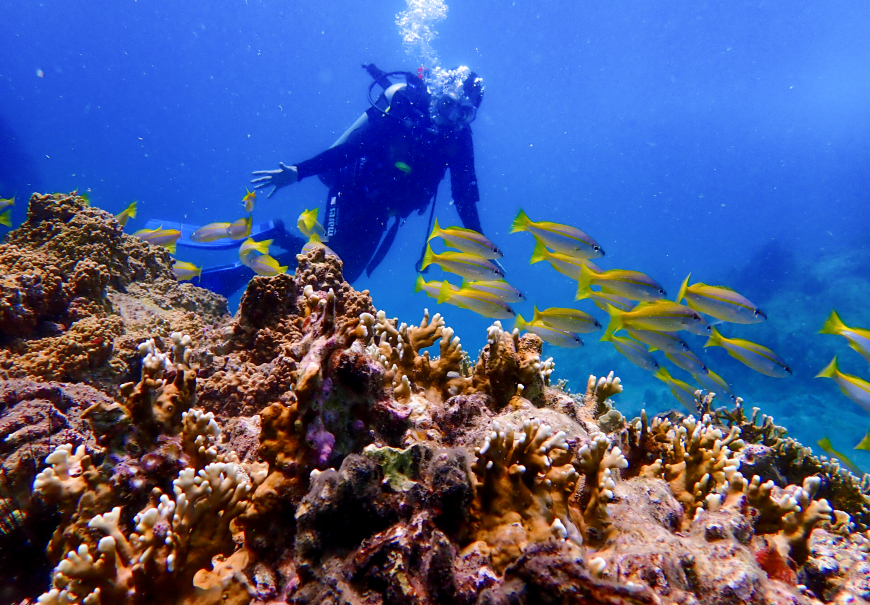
[456, 95]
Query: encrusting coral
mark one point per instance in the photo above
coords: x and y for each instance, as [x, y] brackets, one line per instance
[314, 450]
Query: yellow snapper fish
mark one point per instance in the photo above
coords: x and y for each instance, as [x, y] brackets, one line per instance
[482, 303]
[688, 361]
[248, 200]
[720, 302]
[554, 336]
[469, 266]
[711, 382]
[308, 225]
[160, 237]
[315, 242]
[433, 289]
[7, 202]
[241, 228]
[659, 316]
[499, 287]
[602, 299]
[634, 351]
[6, 218]
[185, 271]
[569, 320]
[569, 266]
[659, 341]
[854, 388]
[633, 285]
[759, 358]
[826, 446]
[249, 247]
[266, 265]
[561, 238]
[126, 214]
[210, 233]
[466, 240]
[684, 393]
[859, 338]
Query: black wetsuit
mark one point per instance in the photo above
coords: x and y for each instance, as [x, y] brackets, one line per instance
[370, 183]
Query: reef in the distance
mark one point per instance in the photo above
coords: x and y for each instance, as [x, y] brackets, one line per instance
[313, 450]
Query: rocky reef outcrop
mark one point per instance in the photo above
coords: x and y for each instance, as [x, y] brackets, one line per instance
[312, 449]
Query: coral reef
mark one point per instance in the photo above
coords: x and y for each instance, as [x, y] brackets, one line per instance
[77, 296]
[313, 450]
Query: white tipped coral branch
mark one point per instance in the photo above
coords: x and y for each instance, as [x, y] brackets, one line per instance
[598, 460]
[599, 390]
[171, 542]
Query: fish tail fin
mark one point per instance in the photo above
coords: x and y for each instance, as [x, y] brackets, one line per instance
[263, 247]
[585, 280]
[283, 269]
[833, 325]
[539, 253]
[715, 339]
[428, 257]
[6, 218]
[315, 239]
[615, 321]
[171, 248]
[662, 374]
[436, 231]
[445, 292]
[418, 285]
[830, 370]
[521, 222]
[131, 209]
[682, 293]
[520, 323]
[537, 315]
[583, 294]
[309, 218]
[607, 337]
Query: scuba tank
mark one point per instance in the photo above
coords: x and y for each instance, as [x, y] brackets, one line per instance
[407, 100]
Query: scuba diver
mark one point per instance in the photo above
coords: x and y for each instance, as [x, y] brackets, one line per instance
[390, 162]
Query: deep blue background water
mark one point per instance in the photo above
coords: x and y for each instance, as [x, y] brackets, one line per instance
[730, 140]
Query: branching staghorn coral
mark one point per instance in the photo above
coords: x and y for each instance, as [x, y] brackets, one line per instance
[598, 459]
[523, 484]
[173, 540]
[697, 459]
[510, 365]
[792, 516]
[74, 484]
[154, 405]
[599, 390]
[843, 489]
[397, 348]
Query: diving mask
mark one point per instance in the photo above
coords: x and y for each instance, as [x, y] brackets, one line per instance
[450, 109]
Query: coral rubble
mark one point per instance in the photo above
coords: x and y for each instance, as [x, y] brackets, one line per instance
[314, 450]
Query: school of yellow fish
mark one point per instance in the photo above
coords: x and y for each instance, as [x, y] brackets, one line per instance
[634, 301]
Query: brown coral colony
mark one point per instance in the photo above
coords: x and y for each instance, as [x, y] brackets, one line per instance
[313, 450]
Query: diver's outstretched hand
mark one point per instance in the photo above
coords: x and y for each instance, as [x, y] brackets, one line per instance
[285, 175]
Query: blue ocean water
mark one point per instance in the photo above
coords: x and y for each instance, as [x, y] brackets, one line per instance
[729, 140]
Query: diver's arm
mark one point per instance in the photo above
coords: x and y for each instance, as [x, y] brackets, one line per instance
[332, 159]
[463, 183]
